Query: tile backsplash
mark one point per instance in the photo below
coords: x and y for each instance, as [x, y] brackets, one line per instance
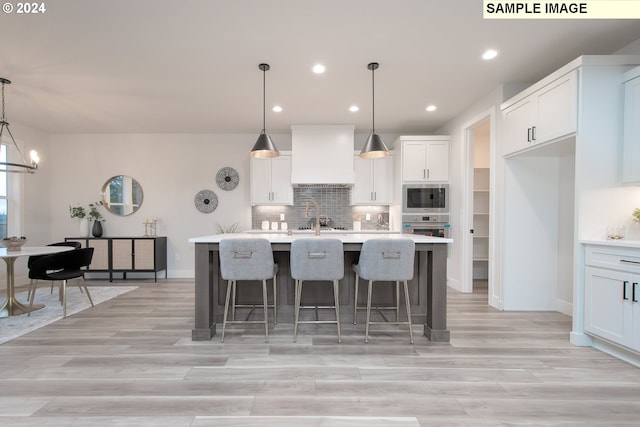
[334, 203]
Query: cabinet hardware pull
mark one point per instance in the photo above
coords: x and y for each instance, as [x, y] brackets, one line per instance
[428, 173]
[375, 196]
[528, 134]
[424, 173]
[533, 133]
[624, 290]
[372, 196]
[629, 261]
[633, 292]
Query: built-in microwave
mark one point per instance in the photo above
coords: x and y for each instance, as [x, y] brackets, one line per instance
[418, 198]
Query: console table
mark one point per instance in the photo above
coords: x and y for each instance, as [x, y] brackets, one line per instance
[126, 254]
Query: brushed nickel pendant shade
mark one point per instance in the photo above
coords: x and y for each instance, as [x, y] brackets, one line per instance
[264, 148]
[374, 147]
[23, 167]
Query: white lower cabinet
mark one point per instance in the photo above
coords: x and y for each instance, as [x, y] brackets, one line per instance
[612, 295]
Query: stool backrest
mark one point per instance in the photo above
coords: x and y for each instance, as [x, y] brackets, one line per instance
[246, 259]
[387, 259]
[317, 259]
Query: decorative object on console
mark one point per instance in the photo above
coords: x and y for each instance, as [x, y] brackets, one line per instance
[23, 167]
[206, 201]
[151, 227]
[374, 147]
[97, 218]
[264, 147]
[636, 215]
[227, 178]
[80, 213]
[122, 195]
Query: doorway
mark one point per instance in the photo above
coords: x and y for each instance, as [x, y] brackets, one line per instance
[480, 145]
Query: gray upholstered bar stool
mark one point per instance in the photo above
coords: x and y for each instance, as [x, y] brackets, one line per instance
[386, 260]
[247, 259]
[316, 259]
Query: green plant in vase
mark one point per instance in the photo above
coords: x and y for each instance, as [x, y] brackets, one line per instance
[77, 212]
[97, 218]
[636, 215]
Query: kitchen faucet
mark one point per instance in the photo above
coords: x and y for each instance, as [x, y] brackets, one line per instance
[306, 214]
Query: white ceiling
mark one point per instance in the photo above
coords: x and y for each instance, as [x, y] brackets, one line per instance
[156, 66]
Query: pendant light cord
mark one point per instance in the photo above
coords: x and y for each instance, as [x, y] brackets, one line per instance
[373, 102]
[264, 100]
[2, 118]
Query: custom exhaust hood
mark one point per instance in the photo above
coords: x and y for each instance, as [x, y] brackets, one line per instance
[322, 155]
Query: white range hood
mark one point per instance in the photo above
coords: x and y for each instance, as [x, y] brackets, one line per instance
[322, 154]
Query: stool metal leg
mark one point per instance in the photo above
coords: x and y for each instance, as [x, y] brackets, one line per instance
[366, 329]
[337, 303]
[266, 310]
[397, 301]
[298, 291]
[406, 302]
[355, 302]
[275, 302]
[233, 301]
[226, 309]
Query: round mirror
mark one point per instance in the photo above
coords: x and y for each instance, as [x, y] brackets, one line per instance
[122, 195]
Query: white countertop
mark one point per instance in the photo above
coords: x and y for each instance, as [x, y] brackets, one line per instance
[345, 237]
[332, 231]
[624, 243]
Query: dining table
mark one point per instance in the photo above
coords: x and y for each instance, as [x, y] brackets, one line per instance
[13, 307]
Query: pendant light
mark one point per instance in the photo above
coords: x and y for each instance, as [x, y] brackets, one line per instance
[264, 147]
[374, 147]
[23, 167]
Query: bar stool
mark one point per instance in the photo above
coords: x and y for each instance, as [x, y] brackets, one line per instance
[316, 259]
[247, 259]
[386, 260]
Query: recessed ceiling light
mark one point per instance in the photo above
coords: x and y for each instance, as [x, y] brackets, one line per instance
[431, 108]
[277, 108]
[354, 108]
[319, 68]
[489, 54]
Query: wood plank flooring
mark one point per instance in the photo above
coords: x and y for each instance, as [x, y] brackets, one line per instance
[131, 362]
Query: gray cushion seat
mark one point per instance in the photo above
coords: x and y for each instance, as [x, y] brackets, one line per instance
[385, 260]
[319, 260]
[247, 259]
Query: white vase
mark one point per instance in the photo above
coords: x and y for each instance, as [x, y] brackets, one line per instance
[84, 227]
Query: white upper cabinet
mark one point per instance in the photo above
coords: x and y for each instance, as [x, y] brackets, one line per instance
[271, 181]
[425, 159]
[631, 147]
[546, 114]
[374, 181]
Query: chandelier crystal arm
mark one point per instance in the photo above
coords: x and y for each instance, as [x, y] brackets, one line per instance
[23, 167]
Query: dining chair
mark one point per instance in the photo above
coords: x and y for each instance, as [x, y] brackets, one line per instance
[31, 259]
[247, 259]
[386, 260]
[62, 266]
[321, 260]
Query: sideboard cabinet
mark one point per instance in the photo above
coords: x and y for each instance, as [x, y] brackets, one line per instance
[126, 254]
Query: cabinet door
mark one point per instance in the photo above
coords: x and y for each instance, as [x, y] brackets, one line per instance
[608, 311]
[631, 162]
[121, 254]
[143, 254]
[437, 161]
[382, 176]
[100, 260]
[635, 308]
[556, 106]
[414, 154]
[518, 120]
[281, 190]
[260, 181]
[362, 191]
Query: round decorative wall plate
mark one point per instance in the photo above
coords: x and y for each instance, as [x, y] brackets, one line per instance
[206, 201]
[227, 178]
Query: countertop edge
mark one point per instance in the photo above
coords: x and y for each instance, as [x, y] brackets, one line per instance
[614, 243]
[345, 238]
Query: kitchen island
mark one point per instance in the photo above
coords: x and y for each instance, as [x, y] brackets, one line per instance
[428, 289]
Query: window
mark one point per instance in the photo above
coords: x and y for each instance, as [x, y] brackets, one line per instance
[3, 193]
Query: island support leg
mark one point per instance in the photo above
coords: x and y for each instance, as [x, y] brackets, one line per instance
[205, 296]
[433, 265]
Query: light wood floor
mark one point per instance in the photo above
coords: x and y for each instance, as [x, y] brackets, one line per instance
[131, 362]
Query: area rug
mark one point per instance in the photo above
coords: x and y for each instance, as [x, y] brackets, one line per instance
[15, 326]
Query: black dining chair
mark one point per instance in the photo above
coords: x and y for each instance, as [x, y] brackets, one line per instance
[62, 266]
[74, 245]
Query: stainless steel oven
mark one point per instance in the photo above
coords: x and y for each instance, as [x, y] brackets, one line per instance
[423, 198]
[436, 225]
